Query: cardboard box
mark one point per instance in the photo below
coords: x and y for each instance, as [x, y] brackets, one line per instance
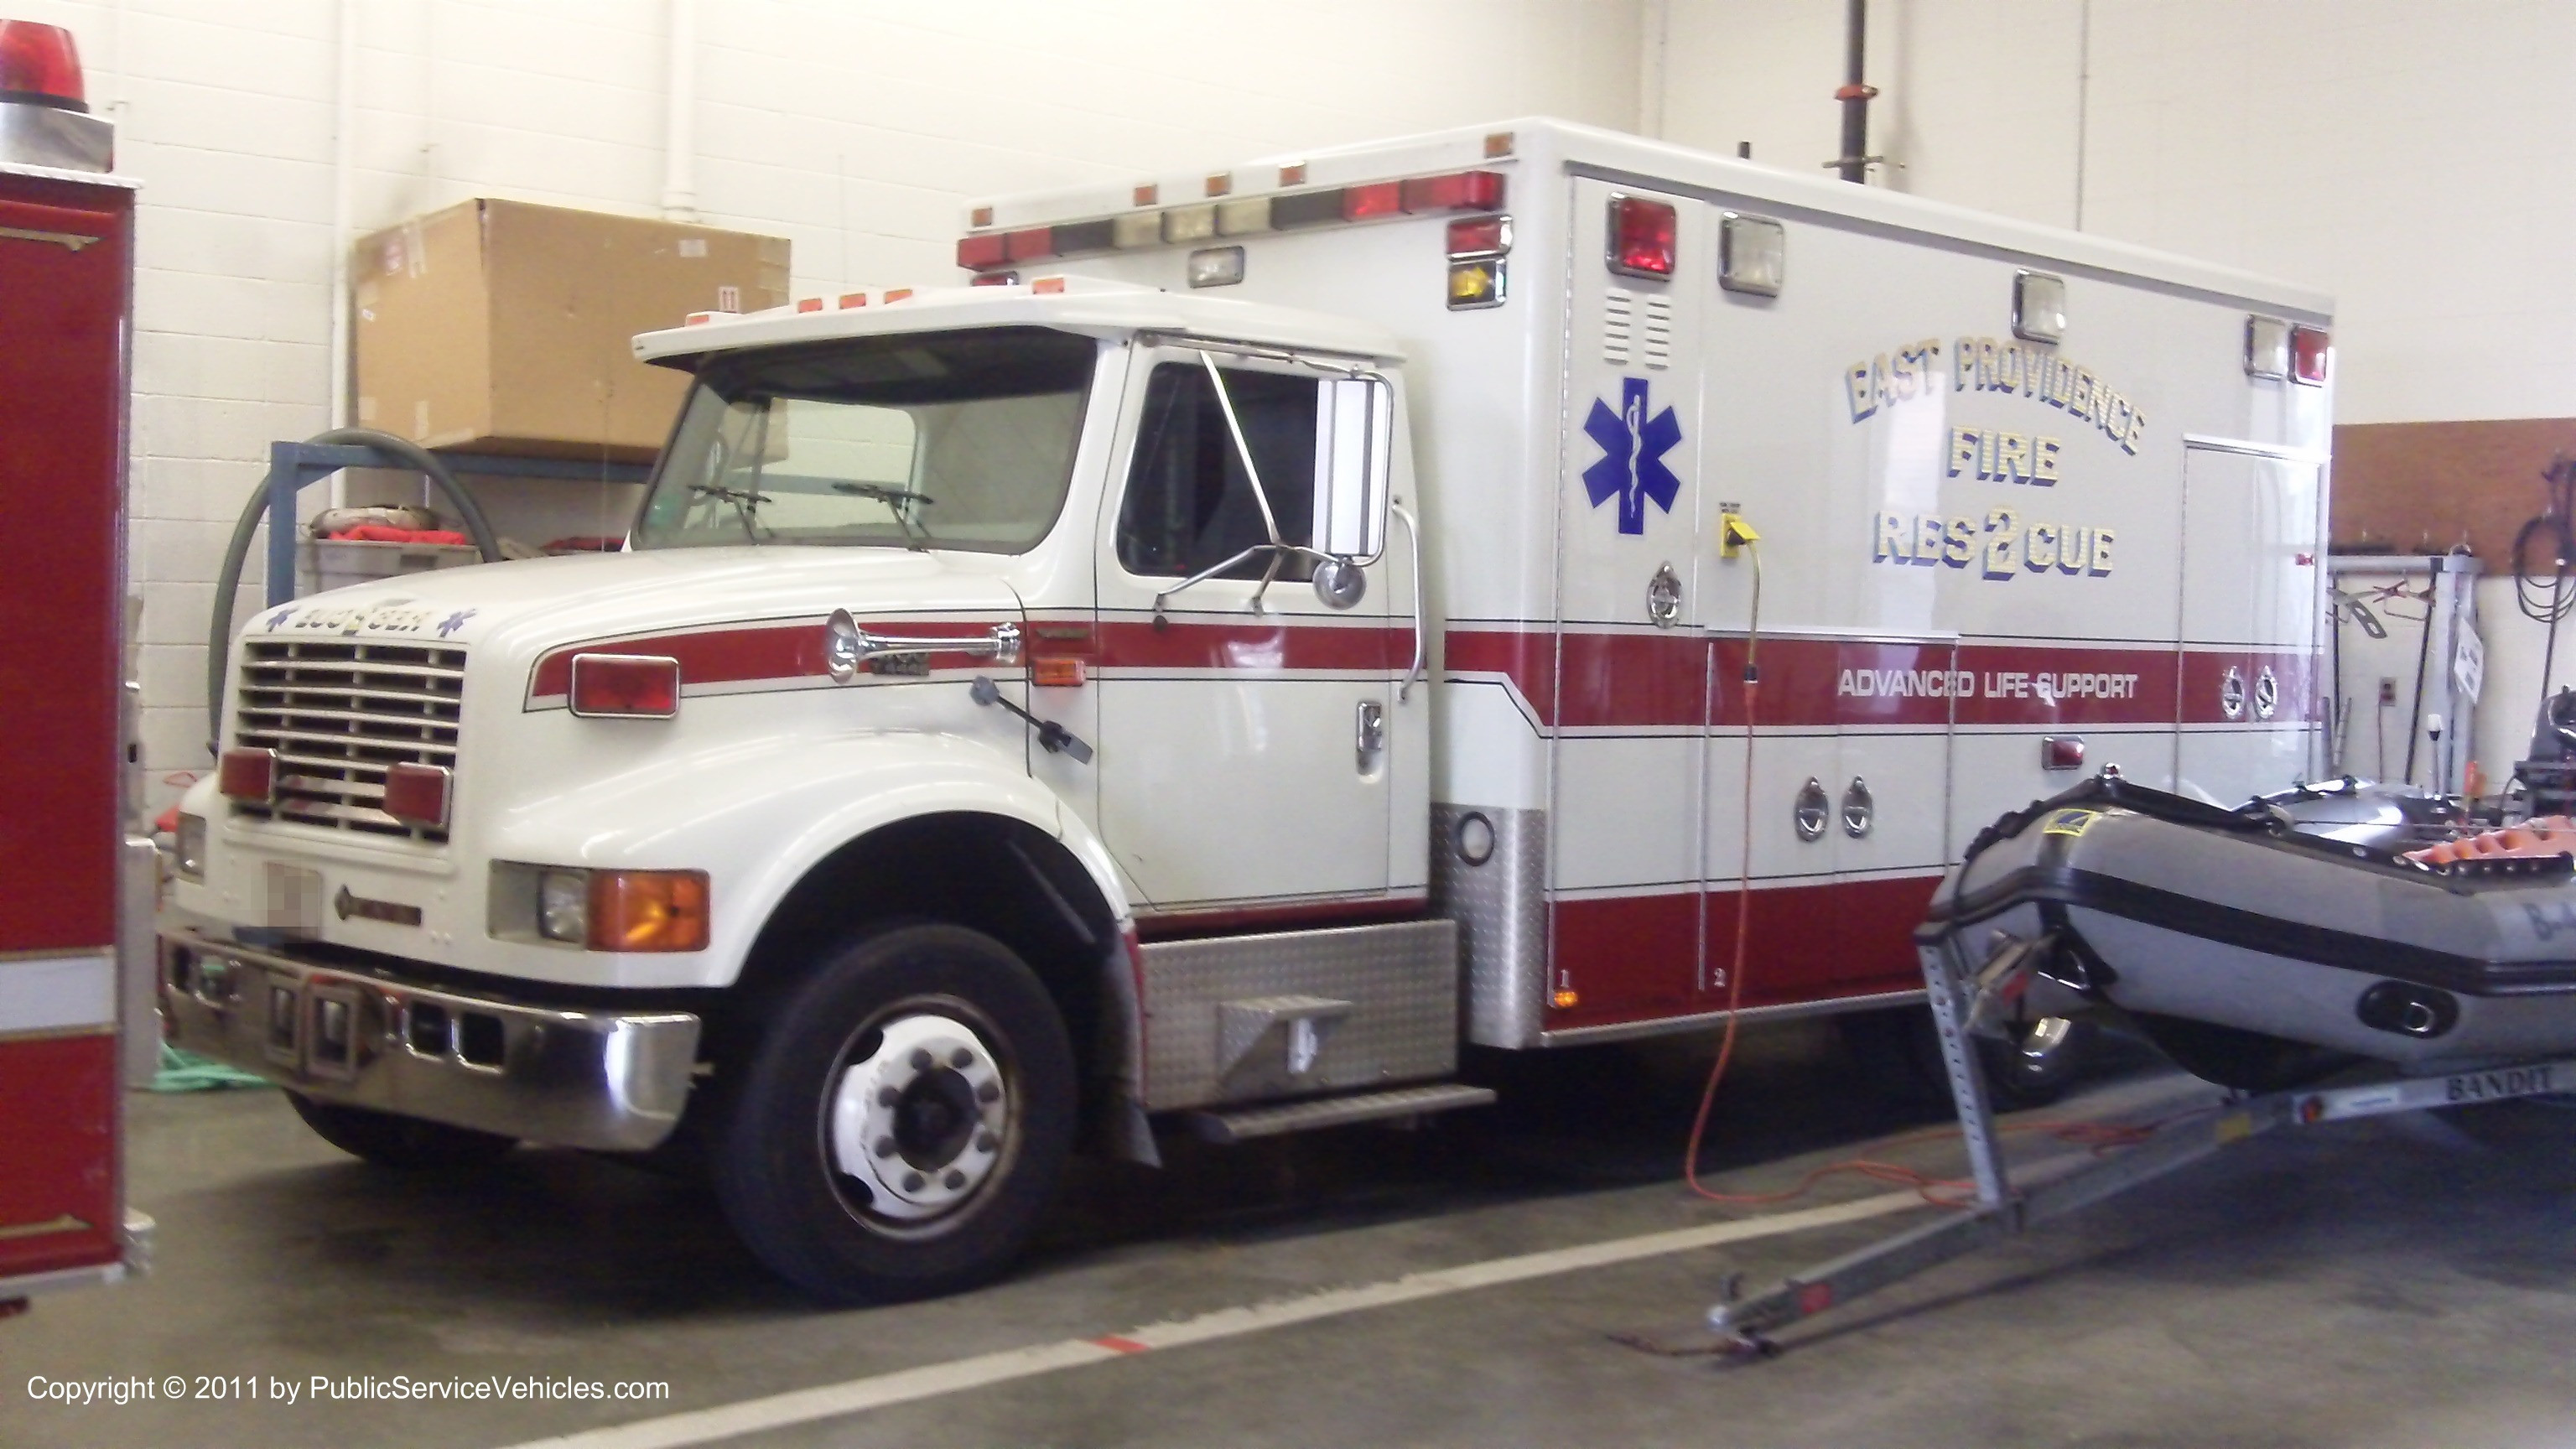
[502, 327]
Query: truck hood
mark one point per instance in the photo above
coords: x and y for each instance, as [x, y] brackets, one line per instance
[525, 607]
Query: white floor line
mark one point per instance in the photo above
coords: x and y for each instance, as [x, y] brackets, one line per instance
[804, 1406]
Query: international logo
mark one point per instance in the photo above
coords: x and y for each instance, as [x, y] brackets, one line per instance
[1633, 446]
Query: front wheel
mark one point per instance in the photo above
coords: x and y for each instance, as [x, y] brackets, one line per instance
[902, 1120]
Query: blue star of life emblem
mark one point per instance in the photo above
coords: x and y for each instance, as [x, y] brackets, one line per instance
[1632, 455]
[454, 622]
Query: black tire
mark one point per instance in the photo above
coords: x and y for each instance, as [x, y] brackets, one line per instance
[949, 1180]
[1900, 1050]
[407, 1143]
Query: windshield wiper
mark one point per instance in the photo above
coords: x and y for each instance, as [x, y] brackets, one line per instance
[746, 504]
[896, 501]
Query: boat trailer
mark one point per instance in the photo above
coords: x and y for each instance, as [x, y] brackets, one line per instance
[1961, 994]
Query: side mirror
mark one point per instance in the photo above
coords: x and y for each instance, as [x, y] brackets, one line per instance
[1354, 464]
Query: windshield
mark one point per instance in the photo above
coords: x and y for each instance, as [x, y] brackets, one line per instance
[959, 440]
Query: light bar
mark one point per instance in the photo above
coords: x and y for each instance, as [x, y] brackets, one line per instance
[988, 251]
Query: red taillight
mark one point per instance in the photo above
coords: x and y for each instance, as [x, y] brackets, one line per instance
[1641, 236]
[418, 794]
[646, 685]
[40, 63]
[1382, 198]
[2309, 347]
[1483, 236]
[1463, 191]
[247, 775]
[1033, 245]
[978, 252]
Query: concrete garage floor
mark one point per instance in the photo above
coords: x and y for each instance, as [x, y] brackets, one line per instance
[2386, 1283]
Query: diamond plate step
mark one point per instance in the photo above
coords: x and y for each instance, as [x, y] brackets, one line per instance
[1251, 1122]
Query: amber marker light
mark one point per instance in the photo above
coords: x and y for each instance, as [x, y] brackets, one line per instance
[648, 910]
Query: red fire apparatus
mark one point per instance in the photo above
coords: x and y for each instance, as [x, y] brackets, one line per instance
[66, 268]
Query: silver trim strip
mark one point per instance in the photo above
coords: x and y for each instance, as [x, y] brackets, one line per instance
[1674, 1025]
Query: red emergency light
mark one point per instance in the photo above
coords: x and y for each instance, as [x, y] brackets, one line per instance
[2309, 349]
[247, 775]
[40, 65]
[417, 794]
[643, 686]
[1641, 236]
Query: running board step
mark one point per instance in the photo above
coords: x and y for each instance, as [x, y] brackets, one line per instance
[1251, 1122]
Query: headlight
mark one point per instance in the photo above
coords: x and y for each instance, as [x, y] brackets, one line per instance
[563, 906]
[192, 847]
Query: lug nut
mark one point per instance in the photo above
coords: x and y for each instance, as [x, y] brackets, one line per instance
[989, 1092]
[912, 1182]
[922, 1060]
[986, 1141]
[885, 1147]
[954, 1180]
[961, 1059]
[888, 1096]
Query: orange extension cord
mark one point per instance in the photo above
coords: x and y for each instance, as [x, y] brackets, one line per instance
[1939, 1191]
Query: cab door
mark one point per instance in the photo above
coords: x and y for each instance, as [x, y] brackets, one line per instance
[1252, 752]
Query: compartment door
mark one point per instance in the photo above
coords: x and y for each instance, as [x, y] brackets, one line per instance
[1632, 668]
[2252, 586]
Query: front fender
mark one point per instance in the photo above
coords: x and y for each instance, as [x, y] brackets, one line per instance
[758, 817]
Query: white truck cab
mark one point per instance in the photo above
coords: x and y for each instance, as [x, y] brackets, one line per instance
[1270, 629]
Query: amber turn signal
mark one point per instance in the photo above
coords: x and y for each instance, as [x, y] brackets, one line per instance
[648, 910]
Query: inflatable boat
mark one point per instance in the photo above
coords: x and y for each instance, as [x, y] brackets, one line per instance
[2268, 945]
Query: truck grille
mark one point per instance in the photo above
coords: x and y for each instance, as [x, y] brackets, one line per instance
[338, 715]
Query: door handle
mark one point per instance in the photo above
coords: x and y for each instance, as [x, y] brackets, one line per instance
[1371, 734]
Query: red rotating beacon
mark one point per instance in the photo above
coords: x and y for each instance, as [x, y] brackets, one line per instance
[66, 285]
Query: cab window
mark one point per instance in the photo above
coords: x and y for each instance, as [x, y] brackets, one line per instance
[1189, 502]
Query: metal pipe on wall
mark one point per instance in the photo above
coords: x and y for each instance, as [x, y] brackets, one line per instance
[680, 109]
[1654, 26]
[1853, 163]
[344, 165]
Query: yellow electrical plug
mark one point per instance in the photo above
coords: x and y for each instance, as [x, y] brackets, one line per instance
[1733, 533]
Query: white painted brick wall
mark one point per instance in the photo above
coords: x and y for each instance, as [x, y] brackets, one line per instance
[2410, 159]
[855, 127]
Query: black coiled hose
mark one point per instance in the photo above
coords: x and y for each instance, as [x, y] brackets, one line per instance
[219, 633]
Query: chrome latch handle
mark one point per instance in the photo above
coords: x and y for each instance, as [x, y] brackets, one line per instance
[1809, 813]
[1859, 808]
[847, 648]
[1371, 734]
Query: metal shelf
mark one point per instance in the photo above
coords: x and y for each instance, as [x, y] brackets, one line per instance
[292, 467]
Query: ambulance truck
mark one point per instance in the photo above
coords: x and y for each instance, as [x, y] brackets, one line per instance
[1517, 586]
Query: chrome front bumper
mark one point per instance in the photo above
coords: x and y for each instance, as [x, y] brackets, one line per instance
[573, 1078]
